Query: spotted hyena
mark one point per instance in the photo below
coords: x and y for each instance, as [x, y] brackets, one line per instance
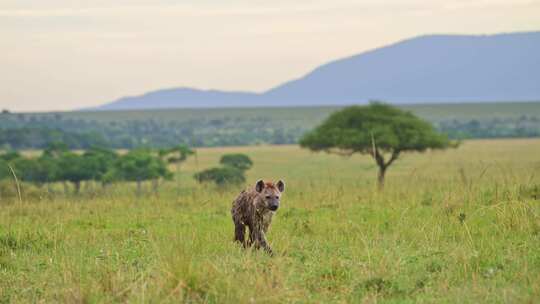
[254, 208]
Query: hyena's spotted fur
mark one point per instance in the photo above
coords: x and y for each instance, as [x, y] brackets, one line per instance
[254, 208]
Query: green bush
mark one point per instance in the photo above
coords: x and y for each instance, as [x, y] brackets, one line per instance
[10, 156]
[221, 176]
[237, 160]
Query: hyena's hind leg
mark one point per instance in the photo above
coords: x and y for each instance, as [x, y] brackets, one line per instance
[240, 233]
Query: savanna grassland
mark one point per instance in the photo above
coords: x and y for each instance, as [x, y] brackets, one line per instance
[458, 226]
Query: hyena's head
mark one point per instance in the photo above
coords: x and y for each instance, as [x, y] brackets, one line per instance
[270, 193]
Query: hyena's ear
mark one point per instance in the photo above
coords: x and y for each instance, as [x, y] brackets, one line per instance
[280, 185]
[259, 186]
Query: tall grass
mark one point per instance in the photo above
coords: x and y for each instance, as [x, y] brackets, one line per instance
[456, 226]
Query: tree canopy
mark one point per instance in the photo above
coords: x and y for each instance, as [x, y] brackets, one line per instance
[237, 160]
[232, 170]
[75, 169]
[376, 129]
[140, 165]
[221, 176]
[176, 154]
[58, 164]
[100, 161]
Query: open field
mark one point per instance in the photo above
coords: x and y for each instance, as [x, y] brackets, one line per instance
[459, 226]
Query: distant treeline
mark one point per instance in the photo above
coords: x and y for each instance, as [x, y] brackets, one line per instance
[39, 138]
[35, 131]
[524, 126]
[56, 164]
[27, 131]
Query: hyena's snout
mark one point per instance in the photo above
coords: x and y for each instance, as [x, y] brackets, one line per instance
[273, 205]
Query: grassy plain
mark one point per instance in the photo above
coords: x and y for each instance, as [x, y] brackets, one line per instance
[457, 226]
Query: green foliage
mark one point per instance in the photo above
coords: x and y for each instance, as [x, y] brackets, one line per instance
[30, 136]
[221, 176]
[374, 129]
[176, 154]
[6, 160]
[357, 129]
[75, 168]
[58, 164]
[34, 170]
[237, 160]
[140, 165]
[236, 127]
[55, 149]
[10, 156]
[4, 169]
[100, 161]
[232, 172]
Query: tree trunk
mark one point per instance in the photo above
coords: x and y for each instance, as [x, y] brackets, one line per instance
[66, 187]
[383, 165]
[380, 177]
[77, 187]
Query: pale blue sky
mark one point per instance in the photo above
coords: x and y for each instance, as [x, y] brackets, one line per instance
[66, 54]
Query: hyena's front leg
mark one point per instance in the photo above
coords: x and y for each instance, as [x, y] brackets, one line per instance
[260, 240]
[252, 236]
[264, 243]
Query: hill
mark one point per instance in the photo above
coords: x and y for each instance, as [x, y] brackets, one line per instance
[426, 69]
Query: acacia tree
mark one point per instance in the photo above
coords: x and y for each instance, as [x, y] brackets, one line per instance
[379, 130]
[74, 168]
[100, 161]
[138, 166]
[40, 171]
[33, 170]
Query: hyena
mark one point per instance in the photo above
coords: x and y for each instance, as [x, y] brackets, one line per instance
[254, 208]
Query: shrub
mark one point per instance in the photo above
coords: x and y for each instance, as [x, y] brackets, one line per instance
[221, 176]
[238, 161]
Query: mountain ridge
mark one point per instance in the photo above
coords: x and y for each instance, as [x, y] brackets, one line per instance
[434, 68]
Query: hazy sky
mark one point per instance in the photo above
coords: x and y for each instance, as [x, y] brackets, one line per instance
[68, 54]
